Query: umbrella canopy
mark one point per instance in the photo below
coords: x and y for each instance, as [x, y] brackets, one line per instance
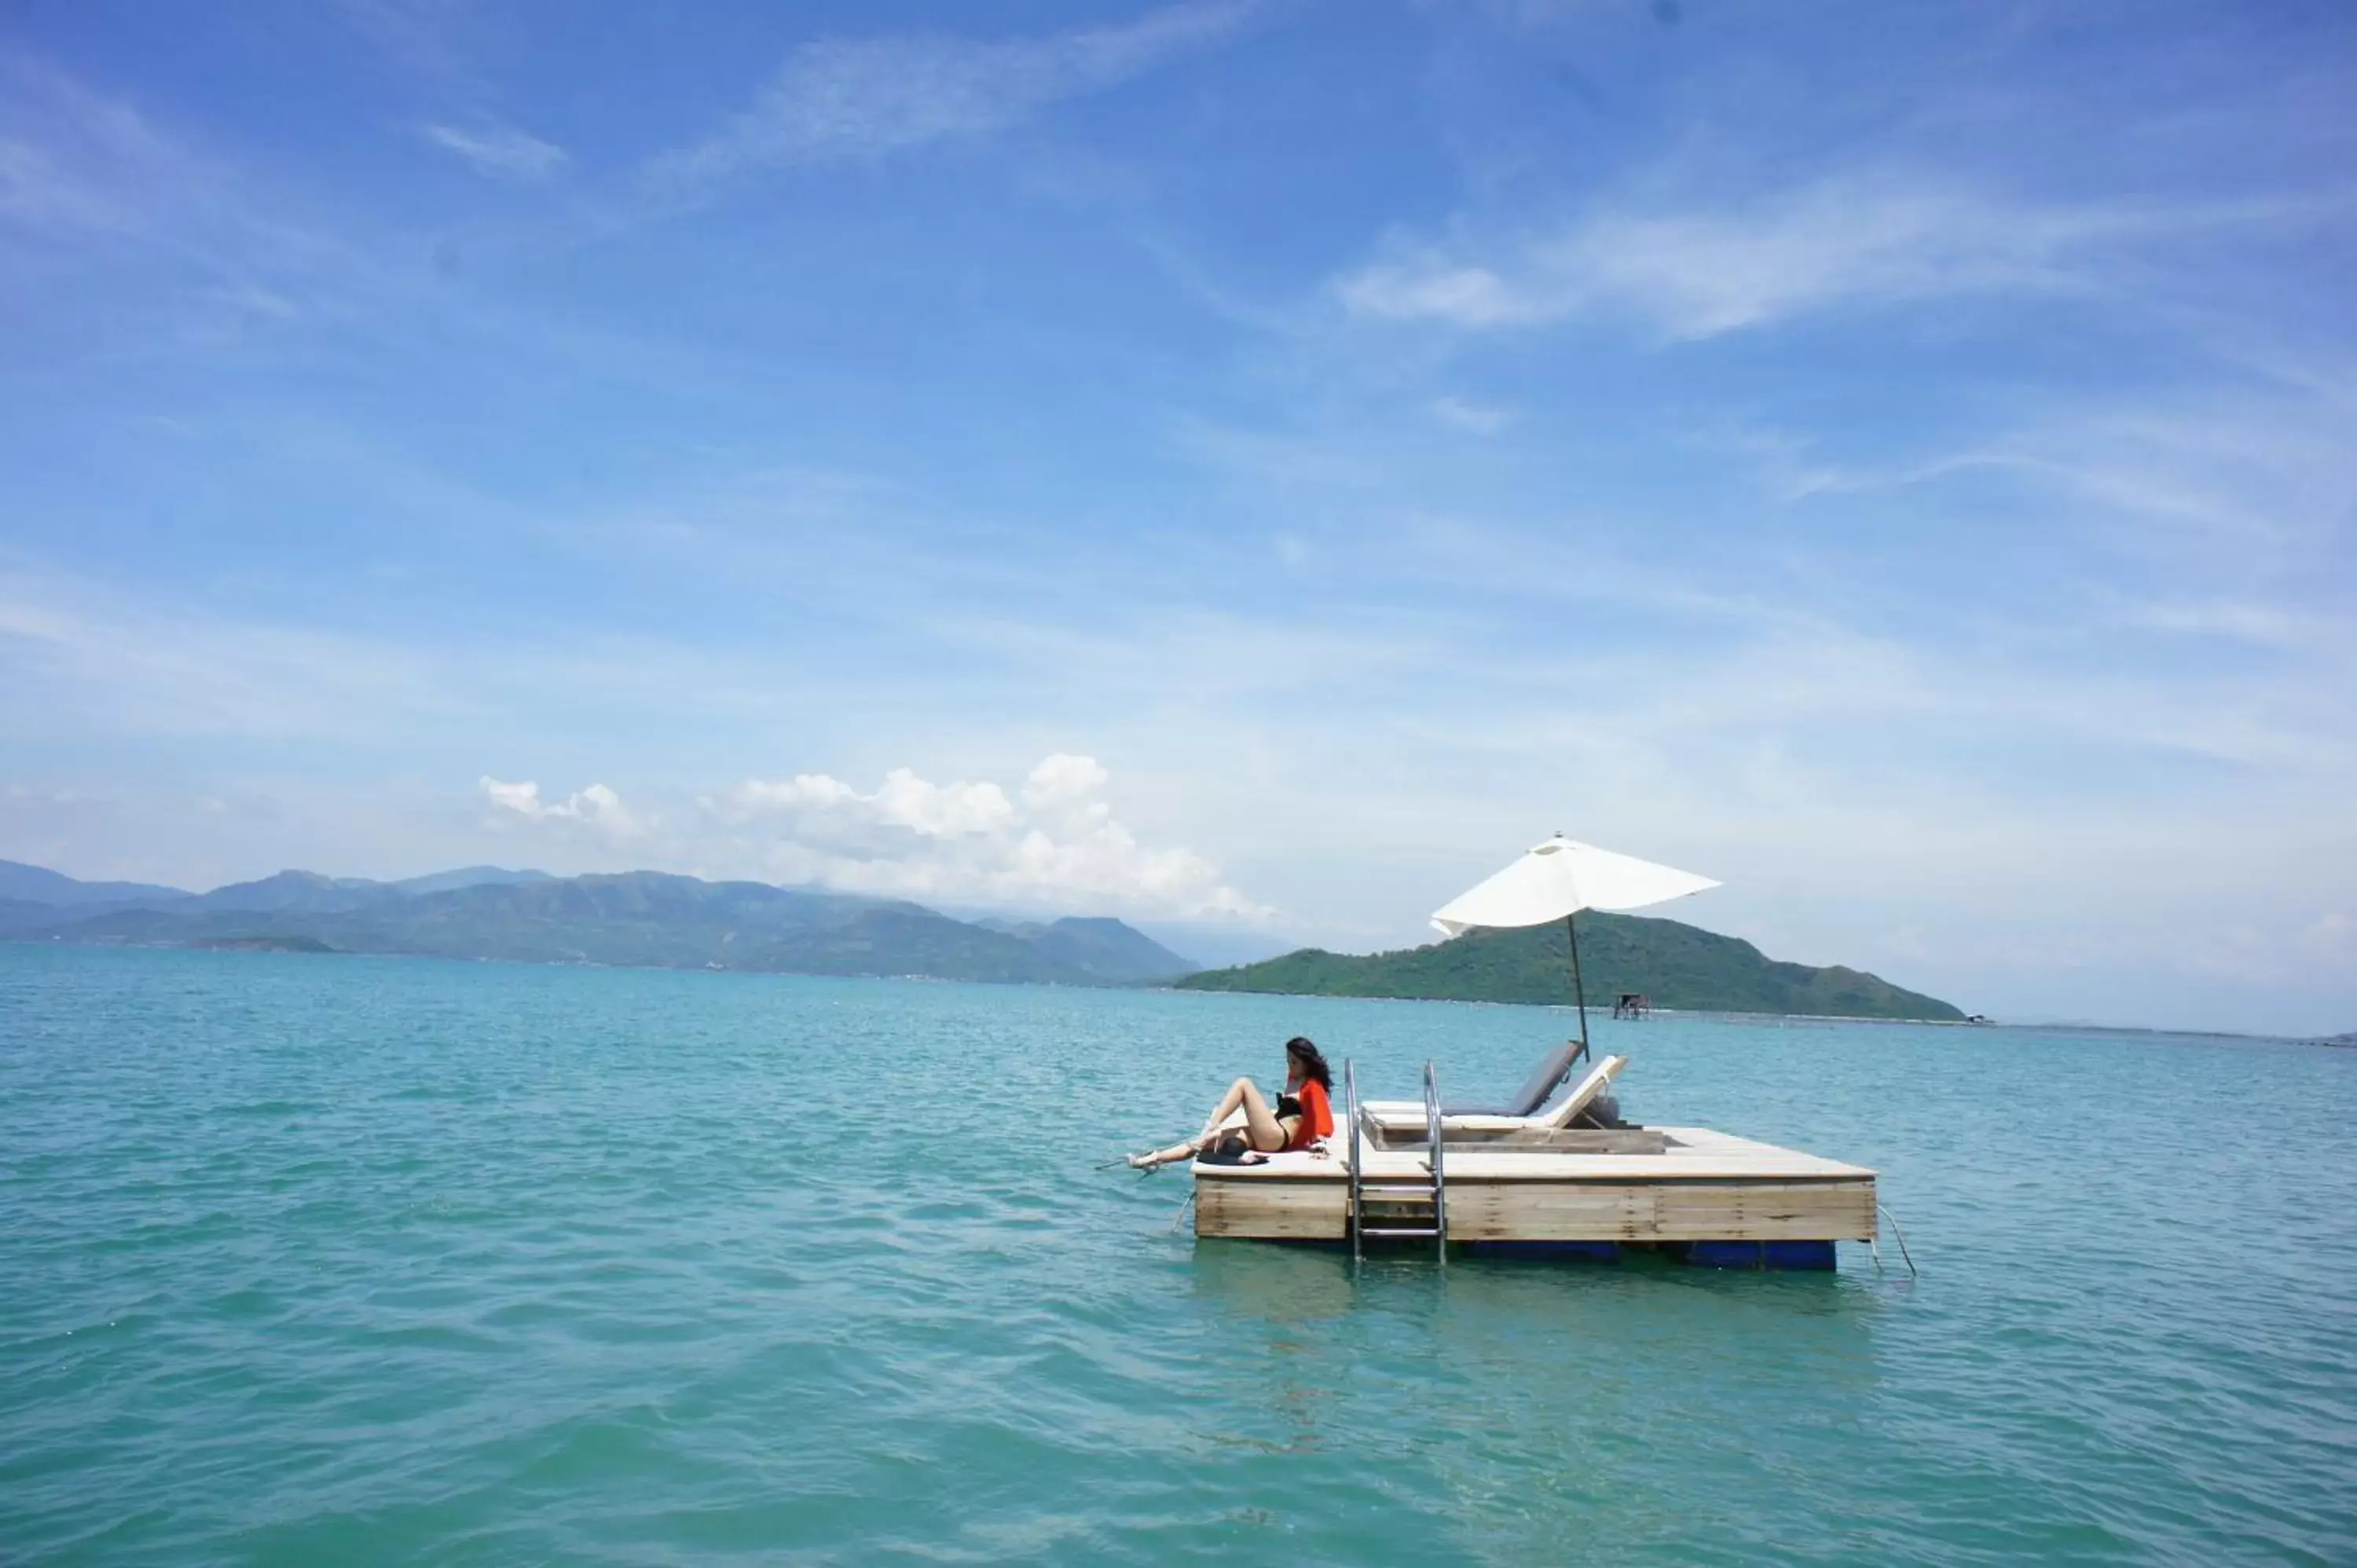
[1556, 880]
[1560, 878]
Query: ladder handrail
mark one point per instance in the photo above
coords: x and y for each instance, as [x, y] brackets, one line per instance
[1350, 1104]
[1440, 1180]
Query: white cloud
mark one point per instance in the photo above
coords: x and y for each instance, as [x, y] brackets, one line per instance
[523, 799]
[1063, 779]
[801, 789]
[941, 811]
[903, 800]
[1698, 273]
[967, 842]
[596, 807]
[499, 151]
[840, 98]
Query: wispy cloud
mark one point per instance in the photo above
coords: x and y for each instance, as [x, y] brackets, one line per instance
[79, 658]
[1701, 271]
[428, 35]
[848, 98]
[501, 152]
[1479, 419]
[2229, 477]
[84, 177]
[2257, 624]
[77, 661]
[77, 165]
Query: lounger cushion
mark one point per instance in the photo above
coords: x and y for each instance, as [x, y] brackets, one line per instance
[1532, 1095]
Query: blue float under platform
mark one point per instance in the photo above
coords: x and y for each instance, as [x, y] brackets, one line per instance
[1580, 1251]
[1803, 1255]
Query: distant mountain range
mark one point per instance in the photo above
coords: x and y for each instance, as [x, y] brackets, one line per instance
[37, 885]
[639, 918]
[653, 919]
[1675, 965]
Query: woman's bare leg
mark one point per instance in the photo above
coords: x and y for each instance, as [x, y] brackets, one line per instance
[1226, 1108]
[1261, 1130]
[1176, 1152]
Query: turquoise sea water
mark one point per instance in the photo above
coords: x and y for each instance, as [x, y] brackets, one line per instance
[326, 1260]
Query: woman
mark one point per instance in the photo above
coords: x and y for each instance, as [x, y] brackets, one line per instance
[1302, 1115]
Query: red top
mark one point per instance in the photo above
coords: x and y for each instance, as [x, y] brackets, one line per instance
[1316, 1115]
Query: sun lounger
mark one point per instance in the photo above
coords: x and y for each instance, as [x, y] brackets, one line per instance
[1534, 1091]
[1406, 1116]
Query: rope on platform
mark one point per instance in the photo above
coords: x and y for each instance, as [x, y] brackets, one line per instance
[1901, 1236]
[1183, 1208]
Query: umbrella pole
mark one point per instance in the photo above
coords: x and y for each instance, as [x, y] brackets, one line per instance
[1579, 986]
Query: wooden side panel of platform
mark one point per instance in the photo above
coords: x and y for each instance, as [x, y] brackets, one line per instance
[1749, 1209]
[1267, 1210]
[1661, 1211]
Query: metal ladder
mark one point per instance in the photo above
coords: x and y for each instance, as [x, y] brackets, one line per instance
[1401, 1211]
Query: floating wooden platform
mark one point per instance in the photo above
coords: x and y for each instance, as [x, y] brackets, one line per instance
[1701, 1186]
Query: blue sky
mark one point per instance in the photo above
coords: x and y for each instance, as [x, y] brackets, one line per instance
[1254, 467]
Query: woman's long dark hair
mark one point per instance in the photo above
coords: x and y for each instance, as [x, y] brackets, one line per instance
[1312, 1060]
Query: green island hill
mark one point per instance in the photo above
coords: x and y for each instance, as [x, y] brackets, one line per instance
[1675, 964]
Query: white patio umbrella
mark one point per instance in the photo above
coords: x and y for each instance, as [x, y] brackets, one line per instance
[1554, 881]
